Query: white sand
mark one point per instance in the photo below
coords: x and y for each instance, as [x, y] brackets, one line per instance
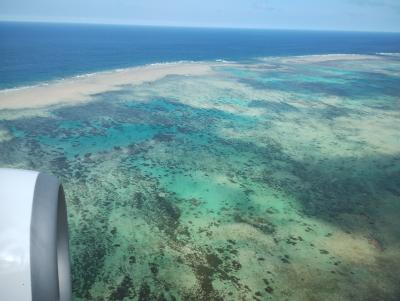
[80, 89]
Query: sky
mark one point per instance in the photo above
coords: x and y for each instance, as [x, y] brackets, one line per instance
[355, 15]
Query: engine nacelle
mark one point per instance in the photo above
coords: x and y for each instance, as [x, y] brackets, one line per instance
[34, 254]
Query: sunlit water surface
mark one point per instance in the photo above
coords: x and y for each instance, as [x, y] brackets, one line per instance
[272, 180]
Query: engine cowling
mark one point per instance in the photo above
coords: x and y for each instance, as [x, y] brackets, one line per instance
[34, 253]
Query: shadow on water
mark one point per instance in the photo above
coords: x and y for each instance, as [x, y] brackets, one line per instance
[330, 187]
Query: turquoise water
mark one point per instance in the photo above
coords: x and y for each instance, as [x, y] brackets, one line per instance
[271, 180]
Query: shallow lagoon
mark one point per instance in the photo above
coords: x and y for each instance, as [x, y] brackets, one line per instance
[277, 179]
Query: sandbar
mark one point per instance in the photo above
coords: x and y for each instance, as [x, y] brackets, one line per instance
[81, 88]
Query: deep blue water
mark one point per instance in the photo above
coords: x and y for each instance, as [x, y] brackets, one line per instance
[35, 52]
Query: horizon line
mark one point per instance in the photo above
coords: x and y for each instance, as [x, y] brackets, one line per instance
[189, 26]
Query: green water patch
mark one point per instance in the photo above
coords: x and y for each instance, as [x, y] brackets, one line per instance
[318, 78]
[98, 139]
[86, 129]
[275, 107]
[172, 200]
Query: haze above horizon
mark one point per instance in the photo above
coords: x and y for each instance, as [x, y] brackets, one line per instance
[348, 15]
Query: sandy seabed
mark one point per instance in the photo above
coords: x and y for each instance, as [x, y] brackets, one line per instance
[272, 180]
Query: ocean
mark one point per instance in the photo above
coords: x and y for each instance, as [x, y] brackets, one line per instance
[32, 53]
[268, 169]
